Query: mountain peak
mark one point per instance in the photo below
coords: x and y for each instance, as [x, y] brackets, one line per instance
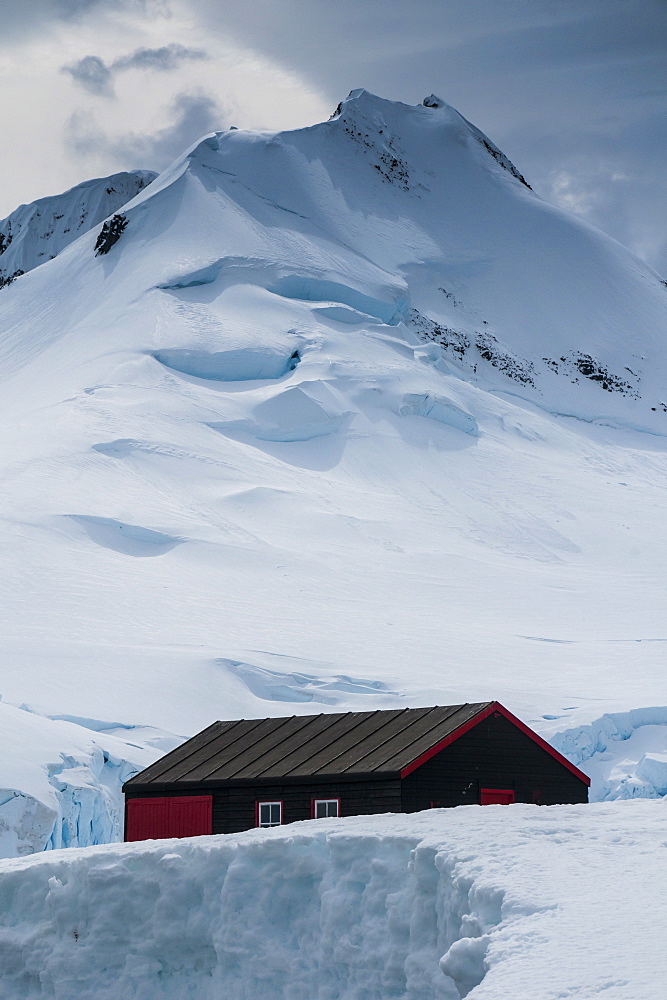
[39, 231]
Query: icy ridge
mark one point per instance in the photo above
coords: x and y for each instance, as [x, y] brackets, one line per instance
[39, 231]
[60, 783]
[620, 773]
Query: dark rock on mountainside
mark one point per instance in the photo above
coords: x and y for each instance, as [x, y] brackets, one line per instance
[109, 234]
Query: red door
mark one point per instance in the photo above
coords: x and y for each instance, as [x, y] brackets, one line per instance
[496, 796]
[190, 816]
[175, 816]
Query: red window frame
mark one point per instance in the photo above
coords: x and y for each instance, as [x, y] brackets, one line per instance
[313, 804]
[496, 796]
[268, 802]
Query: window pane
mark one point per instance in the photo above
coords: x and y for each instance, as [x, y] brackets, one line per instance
[326, 807]
[270, 813]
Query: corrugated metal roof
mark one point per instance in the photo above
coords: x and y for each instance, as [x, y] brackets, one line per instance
[350, 743]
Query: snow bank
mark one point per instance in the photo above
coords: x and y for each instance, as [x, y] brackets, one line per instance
[492, 902]
[242, 364]
[439, 408]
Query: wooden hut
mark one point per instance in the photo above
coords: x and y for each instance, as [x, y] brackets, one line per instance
[266, 772]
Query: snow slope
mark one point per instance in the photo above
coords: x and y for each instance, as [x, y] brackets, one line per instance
[533, 902]
[346, 417]
[37, 232]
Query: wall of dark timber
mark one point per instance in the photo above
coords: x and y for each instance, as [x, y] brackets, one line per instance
[234, 806]
[493, 754]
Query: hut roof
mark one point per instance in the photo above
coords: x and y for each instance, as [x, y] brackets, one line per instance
[348, 744]
[305, 745]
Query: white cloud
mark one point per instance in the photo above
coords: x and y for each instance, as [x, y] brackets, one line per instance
[187, 118]
[570, 192]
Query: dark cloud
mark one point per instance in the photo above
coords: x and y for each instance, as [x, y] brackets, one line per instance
[190, 116]
[97, 77]
[92, 74]
[24, 19]
[74, 7]
[165, 59]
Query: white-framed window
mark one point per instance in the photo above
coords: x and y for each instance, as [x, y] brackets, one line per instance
[322, 808]
[269, 813]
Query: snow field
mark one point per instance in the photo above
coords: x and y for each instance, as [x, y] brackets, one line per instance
[348, 418]
[538, 903]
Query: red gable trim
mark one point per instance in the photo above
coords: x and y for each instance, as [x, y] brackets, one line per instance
[484, 714]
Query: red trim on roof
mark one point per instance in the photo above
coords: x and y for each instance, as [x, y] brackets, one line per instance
[476, 719]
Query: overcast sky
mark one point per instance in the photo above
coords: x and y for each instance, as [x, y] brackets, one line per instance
[574, 91]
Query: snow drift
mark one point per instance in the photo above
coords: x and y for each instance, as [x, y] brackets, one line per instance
[486, 902]
[344, 402]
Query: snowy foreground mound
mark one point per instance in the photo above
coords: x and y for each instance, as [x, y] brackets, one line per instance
[339, 418]
[494, 902]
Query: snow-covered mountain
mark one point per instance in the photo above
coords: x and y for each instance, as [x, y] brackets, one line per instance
[38, 232]
[341, 417]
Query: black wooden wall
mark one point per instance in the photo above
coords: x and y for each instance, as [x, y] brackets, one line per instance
[493, 754]
[234, 806]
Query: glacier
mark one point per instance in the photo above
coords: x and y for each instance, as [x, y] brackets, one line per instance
[346, 418]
